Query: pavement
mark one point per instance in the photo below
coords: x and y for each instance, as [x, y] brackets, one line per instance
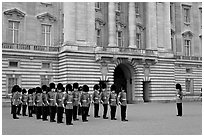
[144, 119]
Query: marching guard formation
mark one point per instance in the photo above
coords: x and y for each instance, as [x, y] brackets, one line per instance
[53, 101]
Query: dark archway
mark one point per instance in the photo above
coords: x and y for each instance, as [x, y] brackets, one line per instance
[123, 76]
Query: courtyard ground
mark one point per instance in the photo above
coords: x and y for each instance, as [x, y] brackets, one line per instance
[144, 119]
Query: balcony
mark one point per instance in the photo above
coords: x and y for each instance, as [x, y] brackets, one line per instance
[29, 47]
[133, 51]
[180, 57]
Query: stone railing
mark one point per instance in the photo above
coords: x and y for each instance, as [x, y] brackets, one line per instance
[29, 47]
[142, 52]
[180, 57]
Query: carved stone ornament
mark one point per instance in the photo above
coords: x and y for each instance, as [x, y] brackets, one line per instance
[42, 17]
[14, 11]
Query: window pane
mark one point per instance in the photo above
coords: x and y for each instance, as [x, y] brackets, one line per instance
[16, 25]
[13, 64]
[10, 36]
[10, 25]
[15, 36]
[48, 39]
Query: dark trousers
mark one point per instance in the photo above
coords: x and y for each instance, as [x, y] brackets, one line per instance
[14, 107]
[79, 110]
[19, 109]
[34, 109]
[11, 108]
[179, 108]
[38, 112]
[123, 112]
[69, 113]
[113, 111]
[84, 112]
[60, 111]
[52, 113]
[45, 111]
[96, 109]
[75, 108]
[30, 111]
[24, 110]
[105, 109]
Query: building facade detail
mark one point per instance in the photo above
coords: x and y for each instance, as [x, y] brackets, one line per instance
[148, 47]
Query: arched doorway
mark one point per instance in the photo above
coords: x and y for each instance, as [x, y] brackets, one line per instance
[123, 75]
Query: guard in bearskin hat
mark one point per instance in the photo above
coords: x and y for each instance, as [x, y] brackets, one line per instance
[84, 100]
[122, 98]
[38, 102]
[34, 106]
[20, 102]
[45, 107]
[113, 102]
[80, 92]
[30, 102]
[52, 103]
[59, 102]
[76, 96]
[96, 99]
[68, 103]
[104, 100]
[24, 101]
[15, 100]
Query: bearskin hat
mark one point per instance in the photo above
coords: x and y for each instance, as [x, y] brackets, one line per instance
[85, 88]
[103, 86]
[15, 88]
[38, 90]
[75, 85]
[52, 85]
[44, 87]
[59, 86]
[30, 91]
[96, 87]
[24, 91]
[122, 87]
[68, 87]
[113, 87]
[178, 86]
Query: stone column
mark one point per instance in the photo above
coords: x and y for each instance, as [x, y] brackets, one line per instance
[69, 22]
[132, 25]
[167, 26]
[151, 26]
[91, 23]
[81, 23]
[111, 24]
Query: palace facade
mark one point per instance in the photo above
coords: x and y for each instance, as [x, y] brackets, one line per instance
[147, 46]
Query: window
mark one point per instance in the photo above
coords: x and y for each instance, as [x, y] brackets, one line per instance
[137, 8]
[189, 85]
[119, 39]
[187, 47]
[188, 70]
[11, 82]
[97, 5]
[13, 31]
[98, 34]
[186, 14]
[13, 64]
[118, 6]
[46, 35]
[45, 80]
[138, 40]
[46, 65]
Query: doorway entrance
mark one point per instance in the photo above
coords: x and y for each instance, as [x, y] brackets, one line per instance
[123, 75]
